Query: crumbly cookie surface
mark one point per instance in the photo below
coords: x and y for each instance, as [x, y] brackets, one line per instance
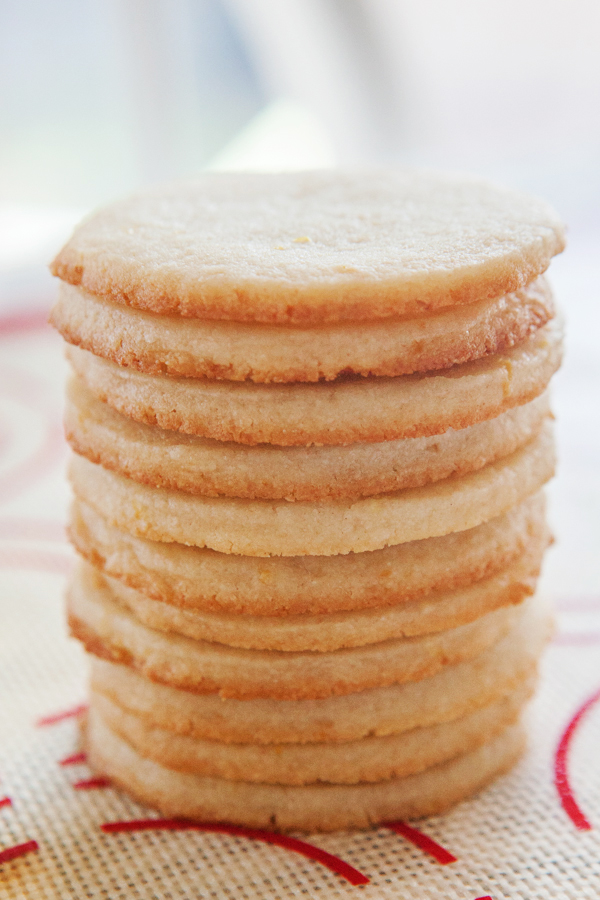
[280, 528]
[110, 631]
[196, 465]
[452, 692]
[312, 247]
[314, 807]
[353, 628]
[233, 351]
[200, 579]
[371, 759]
[347, 410]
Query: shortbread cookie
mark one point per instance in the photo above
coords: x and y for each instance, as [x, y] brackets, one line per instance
[369, 759]
[452, 692]
[169, 459]
[315, 807]
[201, 579]
[343, 411]
[113, 632]
[312, 247]
[439, 611]
[173, 345]
[279, 528]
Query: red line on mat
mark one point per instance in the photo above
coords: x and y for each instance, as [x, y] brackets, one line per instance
[487, 897]
[64, 714]
[13, 528]
[420, 840]
[576, 639]
[29, 470]
[34, 560]
[29, 321]
[5, 801]
[73, 760]
[334, 863]
[17, 850]
[579, 604]
[561, 774]
[88, 784]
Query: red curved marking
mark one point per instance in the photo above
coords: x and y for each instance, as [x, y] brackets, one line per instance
[487, 897]
[33, 320]
[578, 604]
[24, 387]
[17, 850]
[5, 801]
[5, 440]
[561, 775]
[89, 784]
[334, 863]
[577, 639]
[74, 759]
[17, 529]
[64, 714]
[31, 391]
[420, 840]
[35, 560]
[31, 469]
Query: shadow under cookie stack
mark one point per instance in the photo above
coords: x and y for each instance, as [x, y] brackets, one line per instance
[311, 429]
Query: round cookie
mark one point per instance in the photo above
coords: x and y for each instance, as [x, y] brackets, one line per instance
[196, 465]
[315, 807]
[200, 579]
[367, 760]
[112, 632]
[452, 692]
[439, 611]
[347, 410]
[173, 345]
[312, 247]
[279, 528]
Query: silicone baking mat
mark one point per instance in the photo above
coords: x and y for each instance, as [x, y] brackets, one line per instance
[534, 834]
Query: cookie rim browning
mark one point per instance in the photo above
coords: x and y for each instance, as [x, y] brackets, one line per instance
[517, 235]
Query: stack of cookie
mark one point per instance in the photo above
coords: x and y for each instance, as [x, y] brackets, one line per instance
[311, 428]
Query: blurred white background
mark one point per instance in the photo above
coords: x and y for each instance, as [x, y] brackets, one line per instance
[98, 97]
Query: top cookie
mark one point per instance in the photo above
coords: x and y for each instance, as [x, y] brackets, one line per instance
[312, 247]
